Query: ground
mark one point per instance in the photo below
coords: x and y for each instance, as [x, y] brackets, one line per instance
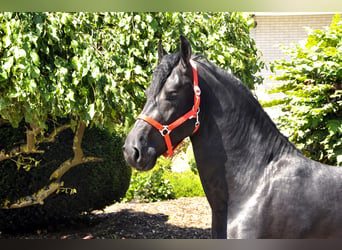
[183, 218]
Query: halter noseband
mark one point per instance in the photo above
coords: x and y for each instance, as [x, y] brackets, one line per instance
[165, 130]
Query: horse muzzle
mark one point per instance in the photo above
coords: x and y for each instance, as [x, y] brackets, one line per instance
[139, 156]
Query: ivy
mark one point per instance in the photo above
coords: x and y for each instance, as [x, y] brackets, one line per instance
[91, 69]
[94, 67]
[312, 84]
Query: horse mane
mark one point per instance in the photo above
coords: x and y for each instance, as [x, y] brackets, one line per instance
[162, 72]
[230, 81]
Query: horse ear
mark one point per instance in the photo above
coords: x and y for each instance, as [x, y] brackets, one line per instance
[185, 51]
[161, 51]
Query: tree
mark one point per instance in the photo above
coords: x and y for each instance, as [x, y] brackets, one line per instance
[92, 68]
[313, 94]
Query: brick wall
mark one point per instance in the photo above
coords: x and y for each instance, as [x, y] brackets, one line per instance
[281, 28]
[274, 29]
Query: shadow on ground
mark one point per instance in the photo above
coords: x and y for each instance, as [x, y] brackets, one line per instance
[126, 224]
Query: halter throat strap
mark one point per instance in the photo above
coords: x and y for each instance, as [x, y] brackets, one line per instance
[165, 130]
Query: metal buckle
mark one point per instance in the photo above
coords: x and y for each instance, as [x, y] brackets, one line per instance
[165, 130]
[197, 90]
[197, 118]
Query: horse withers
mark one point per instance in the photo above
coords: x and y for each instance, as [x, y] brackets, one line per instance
[257, 183]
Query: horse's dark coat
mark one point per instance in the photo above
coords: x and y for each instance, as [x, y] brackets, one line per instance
[255, 180]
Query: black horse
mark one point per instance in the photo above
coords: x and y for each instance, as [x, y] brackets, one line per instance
[257, 183]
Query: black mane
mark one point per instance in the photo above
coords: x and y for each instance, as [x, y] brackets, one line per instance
[230, 81]
[162, 72]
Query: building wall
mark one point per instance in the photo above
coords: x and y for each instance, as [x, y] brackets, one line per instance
[274, 29]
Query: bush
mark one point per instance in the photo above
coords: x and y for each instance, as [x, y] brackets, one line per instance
[151, 186]
[191, 158]
[313, 88]
[185, 184]
[163, 184]
[97, 184]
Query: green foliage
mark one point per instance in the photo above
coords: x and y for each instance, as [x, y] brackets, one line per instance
[313, 88]
[161, 183]
[191, 159]
[151, 186]
[185, 184]
[95, 66]
[51, 65]
[86, 187]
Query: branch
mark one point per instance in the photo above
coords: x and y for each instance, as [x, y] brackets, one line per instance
[32, 142]
[68, 164]
[41, 195]
[76, 146]
[37, 198]
[52, 136]
[31, 138]
[28, 148]
[78, 154]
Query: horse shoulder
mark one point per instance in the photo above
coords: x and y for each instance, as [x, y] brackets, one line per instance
[288, 202]
[303, 200]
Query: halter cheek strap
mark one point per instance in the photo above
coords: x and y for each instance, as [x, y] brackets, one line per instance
[165, 130]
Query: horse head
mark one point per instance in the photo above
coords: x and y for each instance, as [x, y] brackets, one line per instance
[171, 111]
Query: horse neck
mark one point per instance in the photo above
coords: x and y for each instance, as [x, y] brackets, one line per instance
[236, 133]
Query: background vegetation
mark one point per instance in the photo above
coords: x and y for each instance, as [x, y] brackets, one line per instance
[161, 183]
[68, 73]
[86, 187]
[70, 82]
[312, 84]
[95, 66]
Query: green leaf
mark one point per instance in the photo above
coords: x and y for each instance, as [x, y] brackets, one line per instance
[35, 58]
[91, 111]
[339, 159]
[334, 126]
[19, 53]
[8, 64]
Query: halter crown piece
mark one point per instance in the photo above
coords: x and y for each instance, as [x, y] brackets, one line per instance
[165, 130]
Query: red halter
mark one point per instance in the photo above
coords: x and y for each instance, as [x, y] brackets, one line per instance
[165, 130]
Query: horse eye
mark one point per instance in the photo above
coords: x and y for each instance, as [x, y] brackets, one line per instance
[172, 95]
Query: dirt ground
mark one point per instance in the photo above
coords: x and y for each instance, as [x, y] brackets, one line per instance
[183, 218]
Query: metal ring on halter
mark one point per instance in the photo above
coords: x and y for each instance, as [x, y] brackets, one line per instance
[165, 130]
[197, 118]
[197, 90]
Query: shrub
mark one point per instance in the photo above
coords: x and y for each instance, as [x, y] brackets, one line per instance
[185, 184]
[161, 183]
[151, 186]
[86, 186]
[313, 94]
[191, 158]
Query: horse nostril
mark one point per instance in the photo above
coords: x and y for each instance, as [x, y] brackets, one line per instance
[136, 154]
